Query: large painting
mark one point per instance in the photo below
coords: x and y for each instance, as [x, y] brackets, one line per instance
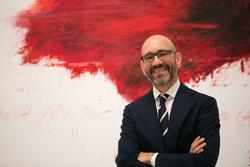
[69, 67]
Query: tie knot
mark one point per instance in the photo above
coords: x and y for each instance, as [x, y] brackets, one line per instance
[163, 98]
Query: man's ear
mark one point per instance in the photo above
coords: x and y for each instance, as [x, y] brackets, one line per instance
[178, 59]
[142, 67]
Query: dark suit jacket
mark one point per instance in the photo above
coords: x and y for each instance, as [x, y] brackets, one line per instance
[193, 114]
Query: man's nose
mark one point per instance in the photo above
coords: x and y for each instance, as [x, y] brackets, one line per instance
[156, 61]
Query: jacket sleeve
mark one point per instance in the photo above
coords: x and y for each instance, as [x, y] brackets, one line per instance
[128, 146]
[208, 126]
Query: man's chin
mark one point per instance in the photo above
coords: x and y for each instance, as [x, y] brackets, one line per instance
[161, 78]
[160, 82]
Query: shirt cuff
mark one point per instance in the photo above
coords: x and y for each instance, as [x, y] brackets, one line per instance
[153, 159]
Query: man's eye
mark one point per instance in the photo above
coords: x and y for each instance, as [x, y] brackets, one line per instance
[162, 54]
[149, 56]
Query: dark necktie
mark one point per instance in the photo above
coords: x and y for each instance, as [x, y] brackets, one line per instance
[163, 115]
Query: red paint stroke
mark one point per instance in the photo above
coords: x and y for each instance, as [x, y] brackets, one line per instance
[243, 116]
[224, 116]
[107, 111]
[23, 114]
[3, 114]
[87, 36]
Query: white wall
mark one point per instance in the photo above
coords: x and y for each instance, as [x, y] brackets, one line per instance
[48, 119]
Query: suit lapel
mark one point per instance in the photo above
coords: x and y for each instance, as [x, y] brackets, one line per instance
[180, 109]
[150, 120]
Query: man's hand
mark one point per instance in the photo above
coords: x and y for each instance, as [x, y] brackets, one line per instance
[145, 157]
[197, 145]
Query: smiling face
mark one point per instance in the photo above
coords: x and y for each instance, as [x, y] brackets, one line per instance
[161, 69]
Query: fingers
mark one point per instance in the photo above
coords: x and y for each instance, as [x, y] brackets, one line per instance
[199, 148]
[197, 138]
[198, 145]
[145, 157]
[198, 141]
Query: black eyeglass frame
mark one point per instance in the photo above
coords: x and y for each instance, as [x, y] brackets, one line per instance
[149, 57]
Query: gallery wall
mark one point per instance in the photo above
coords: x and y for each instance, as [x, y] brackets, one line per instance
[68, 68]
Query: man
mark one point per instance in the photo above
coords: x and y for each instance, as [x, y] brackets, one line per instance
[172, 125]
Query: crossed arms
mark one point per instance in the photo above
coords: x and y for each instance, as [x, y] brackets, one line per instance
[196, 147]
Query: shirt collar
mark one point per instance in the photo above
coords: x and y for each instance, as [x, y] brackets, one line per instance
[171, 91]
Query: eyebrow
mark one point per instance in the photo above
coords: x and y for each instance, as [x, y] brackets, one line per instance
[158, 51]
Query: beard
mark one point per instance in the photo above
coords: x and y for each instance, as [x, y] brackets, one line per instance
[171, 72]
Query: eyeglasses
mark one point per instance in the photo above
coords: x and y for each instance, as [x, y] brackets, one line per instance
[161, 54]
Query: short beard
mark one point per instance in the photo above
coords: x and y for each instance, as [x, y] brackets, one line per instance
[172, 71]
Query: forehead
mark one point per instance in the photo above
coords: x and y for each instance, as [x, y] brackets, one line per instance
[155, 44]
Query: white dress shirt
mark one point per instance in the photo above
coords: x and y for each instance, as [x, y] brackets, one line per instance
[169, 102]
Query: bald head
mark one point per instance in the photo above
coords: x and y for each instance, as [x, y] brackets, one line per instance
[155, 43]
